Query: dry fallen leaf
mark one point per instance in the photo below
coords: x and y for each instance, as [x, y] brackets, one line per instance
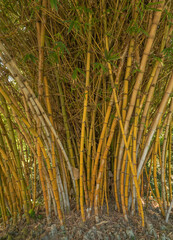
[75, 173]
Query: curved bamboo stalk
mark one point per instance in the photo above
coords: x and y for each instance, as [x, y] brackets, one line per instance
[17, 158]
[163, 103]
[142, 68]
[11, 65]
[9, 180]
[151, 84]
[169, 211]
[53, 182]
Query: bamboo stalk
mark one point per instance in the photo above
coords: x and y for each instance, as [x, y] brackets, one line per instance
[155, 123]
[84, 119]
[142, 68]
[164, 155]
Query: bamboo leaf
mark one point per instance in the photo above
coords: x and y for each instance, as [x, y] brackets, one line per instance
[155, 3]
[71, 26]
[153, 9]
[110, 57]
[74, 74]
[53, 57]
[134, 28]
[29, 57]
[61, 47]
[99, 66]
[54, 4]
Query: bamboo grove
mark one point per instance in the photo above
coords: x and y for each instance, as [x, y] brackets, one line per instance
[85, 107]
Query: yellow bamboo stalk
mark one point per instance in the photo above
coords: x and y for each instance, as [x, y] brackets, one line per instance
[106, 119]
[103, 160]
[148, 179]
[53, 156]
[164, 155]
[23, 84]
[2, 203]
[151, 87]
[17, 158]
[165, 185]
[155, 123]
[105, 187]
[126, 78]
[135, 130]
[142, 68]
[124, 137]
[126, 186]
[42, 181]
[6, 194]
[64, 114]
[84, 119]
[122, 178]
[129, 156]
[34, 183]
[155, 172]
[89, 168]
[32, 131]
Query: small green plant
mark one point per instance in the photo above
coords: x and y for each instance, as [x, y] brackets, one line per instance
[40, 217]
[32, 213]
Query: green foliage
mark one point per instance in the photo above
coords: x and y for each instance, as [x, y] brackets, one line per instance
[136, 69]
[62, 48]
[32, 213]
[40, 216]
[109, 57]
[99, 66]
[159, 59]
[58, 50]
[54, 4]
[73, 24]
[84, 10]
[168, 52]
[169, 16]
[150, 7]
[53, 57]
[135, 29]
[75, 73]
[30, 57]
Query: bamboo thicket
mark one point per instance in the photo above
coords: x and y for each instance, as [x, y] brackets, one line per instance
[85, 106]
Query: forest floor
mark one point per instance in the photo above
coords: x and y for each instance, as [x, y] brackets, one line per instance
[109, 227]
